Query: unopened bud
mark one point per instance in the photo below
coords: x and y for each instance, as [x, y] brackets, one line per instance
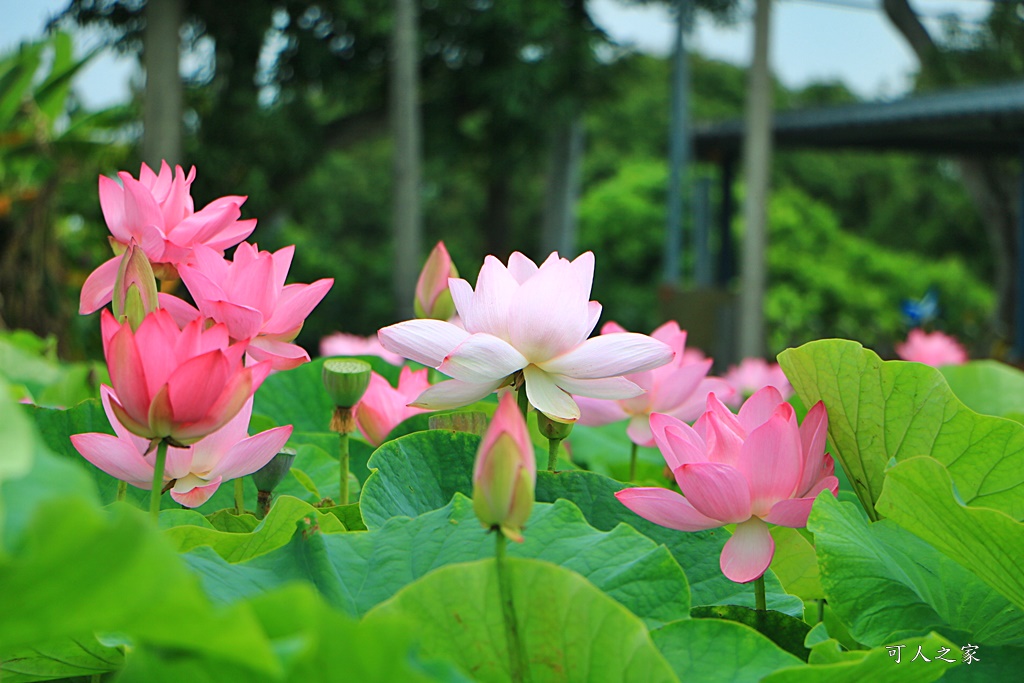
[433, 299]
[505, 474]
[135, 293]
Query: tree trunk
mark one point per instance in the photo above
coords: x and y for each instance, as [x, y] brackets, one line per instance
[162, 107]
[558, 229]
[405, 125]
[757, 154]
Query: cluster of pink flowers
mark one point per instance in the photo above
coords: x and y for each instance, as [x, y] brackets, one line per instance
[932, 348]
[186, 375]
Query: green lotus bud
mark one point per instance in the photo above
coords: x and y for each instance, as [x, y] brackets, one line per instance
[346, 380]
[135, 293]
[433, 300]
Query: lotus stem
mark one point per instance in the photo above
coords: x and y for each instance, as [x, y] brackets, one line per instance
[240, 496]
[122, 491]
[263, 502]
[760, 603]
[632, 461]
[158, 480]
[518, 669]
[524, 401]
[553, 453]
[343, 458]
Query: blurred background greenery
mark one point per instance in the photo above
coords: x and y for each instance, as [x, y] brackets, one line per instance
[302, 129]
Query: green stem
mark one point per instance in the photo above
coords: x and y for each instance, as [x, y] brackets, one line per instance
[240, 496]
[760, 602]
[553, 453]
[158, 480]
[632, 461]
[516, 655]
[122, 491]
[821, 610]
[523, 400]
[343, 463]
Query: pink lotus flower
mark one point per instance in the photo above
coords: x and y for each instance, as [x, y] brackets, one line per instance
[526, 324]
[157, 212]
[935, 349]
[749, 470]
[752, 375]
[194, 473]
[343, 344]
[384, 407]
[679, 388]
[505, 473]
[433, 300]
[250, 297]
[176, 384]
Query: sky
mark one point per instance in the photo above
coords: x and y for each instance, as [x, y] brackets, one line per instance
[811, 40]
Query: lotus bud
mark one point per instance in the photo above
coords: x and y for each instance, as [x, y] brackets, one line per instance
[135, 293]
[433, 300]
[505, 473]
[346, 380]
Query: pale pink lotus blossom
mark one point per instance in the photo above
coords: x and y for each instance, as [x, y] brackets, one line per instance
[193, 473]
[158, 213]
[932, 348]
[176, 384]
[679, 388]
[752, 375]
[383, 407]
[505, 472]
[250, 297]
[526, 324]
[433, 300]
[751, 470]
[344, 344]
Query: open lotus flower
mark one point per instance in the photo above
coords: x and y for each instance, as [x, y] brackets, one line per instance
[433, 300]
[344, 344]
[176, 384]
[505, 473]
[750, 470]
[250, 297]
[157, 212]
[935, 349]
[752, 375]
[383, 406]
[193, 473]
[679, 388]
[526, 324]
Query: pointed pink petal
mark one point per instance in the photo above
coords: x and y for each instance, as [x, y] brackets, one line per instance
[239, 389]
[813, 433]
[140, 208]
[196, 384]
[678, 442]
[462, 296]
[771, 460]
[521, 267]
[249, 455]
[127, 374]
[639, 430]
[665, 508]
[595, 412]
[716, 490]
[424, 341]
[583, 269]
[98, 289]
[692, 408]
[756, 410]
[454, 394]
[482, 358]
[112, 205]
[793, 512]
[724, 445]
[208, 450]
[748, 553]
[106, 396]
[670, 334]
[182, 312]
[243, 322]
[155, 340]
[381, 409]
[116, 457]
[610, 355]
[282, 355]
[612, 327]
[295, 305]
[547, 397]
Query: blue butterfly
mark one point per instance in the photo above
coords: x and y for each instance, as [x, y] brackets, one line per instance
[917, 313]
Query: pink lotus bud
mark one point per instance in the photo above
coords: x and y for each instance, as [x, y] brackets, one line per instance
[135, 293]
[433, 300]
[176, 384]
[505, 473]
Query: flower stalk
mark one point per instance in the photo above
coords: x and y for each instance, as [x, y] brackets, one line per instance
[516, 655]
[240, 496]
[158, 480]
[632, 461]
[760, 601]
